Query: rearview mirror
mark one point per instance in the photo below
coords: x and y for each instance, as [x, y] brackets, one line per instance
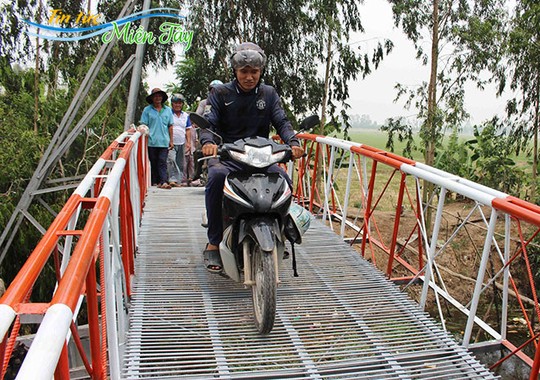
[309, 122]
[199, 120]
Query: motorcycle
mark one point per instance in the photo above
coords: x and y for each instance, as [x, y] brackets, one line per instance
[259, 217]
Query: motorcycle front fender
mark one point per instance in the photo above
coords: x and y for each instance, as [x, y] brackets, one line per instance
[263, 231]
[230, 266]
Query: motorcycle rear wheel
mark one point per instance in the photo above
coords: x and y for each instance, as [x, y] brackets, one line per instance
[264, 289]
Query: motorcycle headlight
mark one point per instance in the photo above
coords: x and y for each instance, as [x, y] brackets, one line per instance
[257, 157]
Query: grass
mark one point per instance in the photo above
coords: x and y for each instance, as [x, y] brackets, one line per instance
[378, 139]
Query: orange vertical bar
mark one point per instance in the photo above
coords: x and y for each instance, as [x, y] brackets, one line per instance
[125, 226]
[396, 225]
[129, 223]
[130, 270]
[314, 177]
[93, 321]
[301, 173]
[144, 169]
[62, 368]
[301, 162]
[3, 352]
[535, 370]
[367, 210]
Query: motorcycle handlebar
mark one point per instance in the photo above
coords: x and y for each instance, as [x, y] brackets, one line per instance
[220, 154]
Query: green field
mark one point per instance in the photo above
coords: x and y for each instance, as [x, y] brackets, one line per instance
[378, 139]
[370, 137]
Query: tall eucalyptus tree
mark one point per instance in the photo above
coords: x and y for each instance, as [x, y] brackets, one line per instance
[299, 38]
[462, 37]
[519, 71]
[62, 67]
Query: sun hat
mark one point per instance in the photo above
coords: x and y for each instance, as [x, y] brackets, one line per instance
[154, 91]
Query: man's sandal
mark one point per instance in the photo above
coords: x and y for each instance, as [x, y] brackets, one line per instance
[212, 260]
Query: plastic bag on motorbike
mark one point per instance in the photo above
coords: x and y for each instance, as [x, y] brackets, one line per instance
[297, 223]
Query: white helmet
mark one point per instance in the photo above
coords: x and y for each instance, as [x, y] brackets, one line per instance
[297, 223]
[214, 83]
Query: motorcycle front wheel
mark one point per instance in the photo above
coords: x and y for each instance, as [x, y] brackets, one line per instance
[263, 289]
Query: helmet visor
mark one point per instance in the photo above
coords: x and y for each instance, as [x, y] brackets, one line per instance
[245, 58]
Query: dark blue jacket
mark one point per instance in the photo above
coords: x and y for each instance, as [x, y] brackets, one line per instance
[234, 114]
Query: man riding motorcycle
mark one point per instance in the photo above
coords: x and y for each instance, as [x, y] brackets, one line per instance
[242, 108]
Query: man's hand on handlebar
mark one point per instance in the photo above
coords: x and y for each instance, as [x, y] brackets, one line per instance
[210, 149]
[297, 152]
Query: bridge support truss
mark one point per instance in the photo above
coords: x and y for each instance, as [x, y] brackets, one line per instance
[372, 198]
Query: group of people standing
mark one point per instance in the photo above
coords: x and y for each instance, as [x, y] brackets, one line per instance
[172, 141]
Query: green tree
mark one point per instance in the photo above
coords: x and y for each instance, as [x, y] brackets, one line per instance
[463, 36]
[15, 44]
[19, 156]
[492, 150]
[52, 84]
[486, 158]
[195, 72]
[520, 71]
[297, 36]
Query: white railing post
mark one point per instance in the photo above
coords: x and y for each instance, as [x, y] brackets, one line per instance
[432, 247]
[347, 194]
[506, 276]
[480, 277]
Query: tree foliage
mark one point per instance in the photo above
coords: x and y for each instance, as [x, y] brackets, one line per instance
[519, 71]
[295, 36]
[20, 153]
[464, 35]
[14, 42]
[487, 158]
[61, 67]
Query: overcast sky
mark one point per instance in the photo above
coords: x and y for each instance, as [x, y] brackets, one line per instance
[374, 95]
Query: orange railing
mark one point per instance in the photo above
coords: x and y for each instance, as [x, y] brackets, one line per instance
[373, 199]
[108, 205]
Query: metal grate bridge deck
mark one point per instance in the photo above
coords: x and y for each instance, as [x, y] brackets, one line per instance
[340, 319]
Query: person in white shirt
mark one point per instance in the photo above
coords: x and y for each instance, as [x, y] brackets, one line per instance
[197, 153]
[181, 135]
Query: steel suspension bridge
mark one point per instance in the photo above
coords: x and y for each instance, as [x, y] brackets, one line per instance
[127, 258]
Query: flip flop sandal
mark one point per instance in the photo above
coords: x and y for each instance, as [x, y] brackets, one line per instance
[212, 261]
